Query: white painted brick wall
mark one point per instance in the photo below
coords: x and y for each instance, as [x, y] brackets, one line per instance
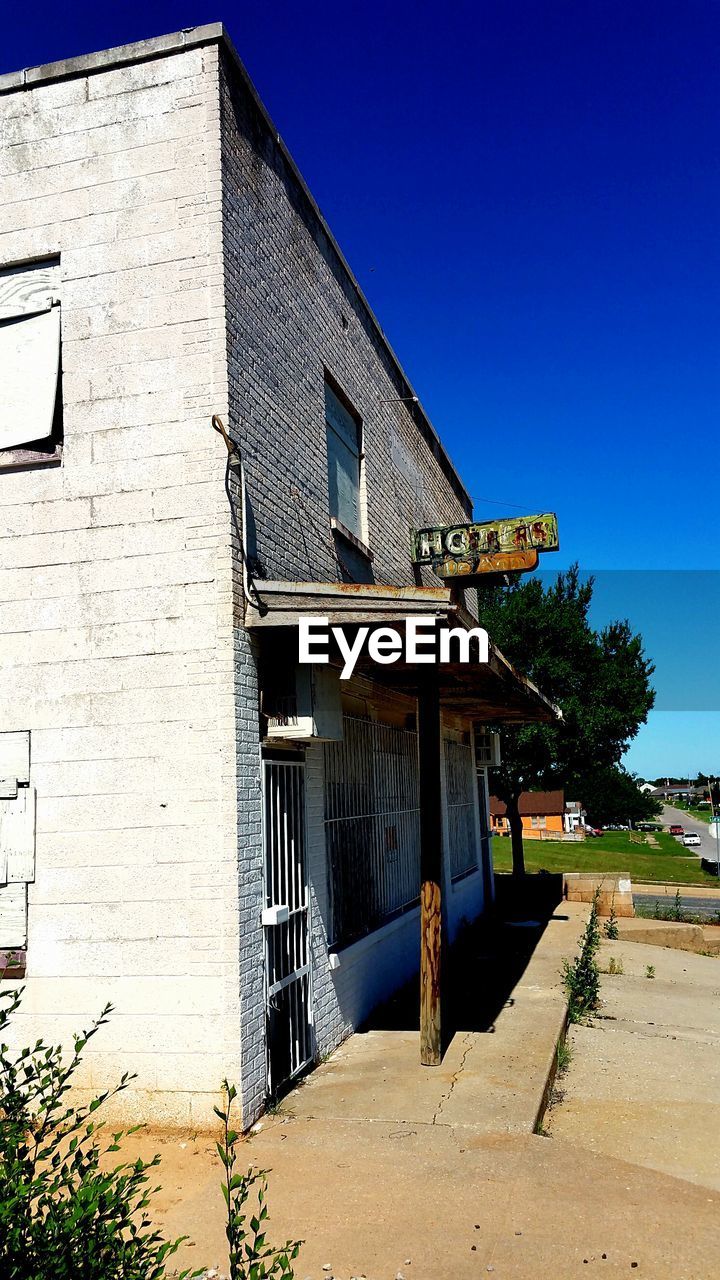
[196, 278]
[115, 583]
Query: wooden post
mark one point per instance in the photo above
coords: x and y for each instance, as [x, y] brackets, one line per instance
[429, 739]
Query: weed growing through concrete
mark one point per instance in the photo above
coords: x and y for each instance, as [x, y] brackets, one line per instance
[251, 1257]
[611, 925]
[582, 975]
[564, 1055]
[650, 971]
[616, 966]
[676, 912]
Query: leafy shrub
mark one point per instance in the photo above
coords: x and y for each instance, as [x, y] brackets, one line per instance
[251, 1257]
[62, 1213]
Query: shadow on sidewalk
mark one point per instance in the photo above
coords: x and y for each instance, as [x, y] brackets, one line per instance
[484, 964]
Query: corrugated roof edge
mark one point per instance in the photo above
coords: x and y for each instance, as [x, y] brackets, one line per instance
[210, 33]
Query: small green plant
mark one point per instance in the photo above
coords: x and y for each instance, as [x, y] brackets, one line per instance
[63, 1213]
[616, 965]
[582, 975]
[611, 924]
[650, 971]
[563, 1056]
[675, 912]
[251, 1257]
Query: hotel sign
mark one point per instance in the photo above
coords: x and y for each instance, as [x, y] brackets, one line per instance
[495, 546]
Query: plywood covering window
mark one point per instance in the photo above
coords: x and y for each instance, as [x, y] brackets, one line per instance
[30, 385]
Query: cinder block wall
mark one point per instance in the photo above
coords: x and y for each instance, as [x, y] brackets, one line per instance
[293, 312]
[116, 622]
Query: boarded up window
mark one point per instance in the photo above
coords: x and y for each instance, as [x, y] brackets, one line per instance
[17, 837]
[30, 409]
[343, 450]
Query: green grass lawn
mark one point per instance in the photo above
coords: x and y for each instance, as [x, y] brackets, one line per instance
[615, 851]
[704, 815]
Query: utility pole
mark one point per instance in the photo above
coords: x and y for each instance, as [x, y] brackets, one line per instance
[715, 822]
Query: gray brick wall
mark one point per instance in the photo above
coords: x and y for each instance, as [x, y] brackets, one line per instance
[293, 312]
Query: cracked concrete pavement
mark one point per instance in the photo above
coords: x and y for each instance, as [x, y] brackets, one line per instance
[387, 1168]
[645, 1076]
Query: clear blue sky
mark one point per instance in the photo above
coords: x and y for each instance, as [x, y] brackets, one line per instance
[529, 193]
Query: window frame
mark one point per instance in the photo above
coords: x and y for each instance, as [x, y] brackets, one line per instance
[357, 538]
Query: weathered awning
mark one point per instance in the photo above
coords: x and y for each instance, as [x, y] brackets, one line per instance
[280, 604]
[490, 692]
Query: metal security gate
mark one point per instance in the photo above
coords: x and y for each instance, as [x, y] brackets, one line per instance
[372, 826]
[461, 790]
[285, 924]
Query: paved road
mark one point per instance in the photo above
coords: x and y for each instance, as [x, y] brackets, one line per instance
[707, 907]
[708, 847]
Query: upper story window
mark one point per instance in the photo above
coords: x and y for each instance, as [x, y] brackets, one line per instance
[30, 393]
[344, 451]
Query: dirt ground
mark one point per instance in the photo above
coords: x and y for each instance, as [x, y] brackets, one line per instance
[382, 1200]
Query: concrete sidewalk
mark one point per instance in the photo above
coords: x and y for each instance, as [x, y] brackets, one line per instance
[386, 1168]
[702, 939]
[492, 1082]
[645, 1076]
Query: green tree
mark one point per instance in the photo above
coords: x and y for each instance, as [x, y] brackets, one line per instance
[599, 679]
[611, 794]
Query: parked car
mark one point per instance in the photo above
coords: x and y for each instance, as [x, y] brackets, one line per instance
[675, 830]
[691, 840]
[616, 826]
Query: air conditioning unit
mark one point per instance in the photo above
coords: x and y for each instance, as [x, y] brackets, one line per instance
[487, 750]
[313, 710]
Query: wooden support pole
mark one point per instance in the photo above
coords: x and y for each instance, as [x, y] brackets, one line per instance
[429, 740]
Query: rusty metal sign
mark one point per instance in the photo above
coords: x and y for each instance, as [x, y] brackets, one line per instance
[494, 546]
[502, 562]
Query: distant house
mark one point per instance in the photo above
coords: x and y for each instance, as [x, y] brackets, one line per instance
[574, 816]
[647, 787]
[674, 792]
[545, 815]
